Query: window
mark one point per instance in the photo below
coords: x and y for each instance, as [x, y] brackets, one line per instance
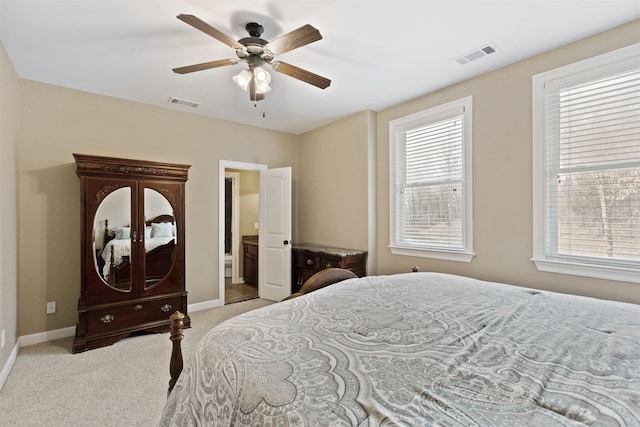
[586, 122]
[430, 176]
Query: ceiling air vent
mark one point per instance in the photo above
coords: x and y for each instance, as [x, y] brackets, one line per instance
[179, 101]
[476, 54]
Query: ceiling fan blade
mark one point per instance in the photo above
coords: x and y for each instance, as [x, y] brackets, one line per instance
[293, 40]
[301, 74]
[205, 66]
[208, 29]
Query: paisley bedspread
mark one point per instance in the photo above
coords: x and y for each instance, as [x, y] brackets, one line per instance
[417, 349]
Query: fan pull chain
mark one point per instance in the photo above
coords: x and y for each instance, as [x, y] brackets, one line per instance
[255, 105]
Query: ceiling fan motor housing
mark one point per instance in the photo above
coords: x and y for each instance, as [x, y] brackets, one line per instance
[253, 45]
[254, 29]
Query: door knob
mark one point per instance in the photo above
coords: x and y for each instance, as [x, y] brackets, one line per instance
[286, 242]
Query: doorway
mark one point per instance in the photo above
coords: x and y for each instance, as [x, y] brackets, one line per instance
[231, 287]
[241, 217]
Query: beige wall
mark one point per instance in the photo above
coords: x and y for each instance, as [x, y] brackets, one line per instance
[57, 122]
[9, 136]
[333, 185]
[502, 163]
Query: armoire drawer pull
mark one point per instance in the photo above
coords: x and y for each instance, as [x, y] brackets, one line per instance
[166, 308]
[138, 307]
[107, 318]
[309, 261]
[329, 265]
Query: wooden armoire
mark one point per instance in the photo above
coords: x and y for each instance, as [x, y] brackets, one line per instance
[132, 248]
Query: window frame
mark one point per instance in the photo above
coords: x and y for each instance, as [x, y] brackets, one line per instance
[419, 119]
[582, 71]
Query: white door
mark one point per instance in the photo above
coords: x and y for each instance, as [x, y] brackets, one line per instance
[274, 251]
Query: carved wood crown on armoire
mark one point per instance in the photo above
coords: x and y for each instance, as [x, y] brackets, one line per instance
[132, 248]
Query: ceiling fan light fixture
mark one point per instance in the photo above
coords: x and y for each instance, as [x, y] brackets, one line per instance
[262, 88]
[243, 79]
[261, 79]
[261, 75]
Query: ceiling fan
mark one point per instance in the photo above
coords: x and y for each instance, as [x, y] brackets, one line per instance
[256, 52]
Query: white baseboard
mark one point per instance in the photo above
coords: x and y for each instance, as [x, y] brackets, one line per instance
[203, 305]
[40, 337]
[4, 374]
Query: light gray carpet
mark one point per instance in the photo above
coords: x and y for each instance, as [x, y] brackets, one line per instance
[120, 385]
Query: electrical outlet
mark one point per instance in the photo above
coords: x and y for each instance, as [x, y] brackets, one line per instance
[3, 340]
[51, 307]
[256, 225]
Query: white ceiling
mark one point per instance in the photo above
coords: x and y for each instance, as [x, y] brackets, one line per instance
[377, 53]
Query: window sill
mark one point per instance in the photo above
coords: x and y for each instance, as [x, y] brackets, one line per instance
[426, 253]
[588, 270]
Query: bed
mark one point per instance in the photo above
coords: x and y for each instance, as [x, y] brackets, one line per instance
[416, 349]
[159, 246]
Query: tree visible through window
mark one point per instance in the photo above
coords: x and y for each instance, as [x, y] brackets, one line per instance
[600, 214]
[588, 121]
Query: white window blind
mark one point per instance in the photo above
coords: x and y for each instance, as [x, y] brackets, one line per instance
[591, 138]
[429, 200]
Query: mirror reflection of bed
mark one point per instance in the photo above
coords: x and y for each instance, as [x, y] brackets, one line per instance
[113, 259]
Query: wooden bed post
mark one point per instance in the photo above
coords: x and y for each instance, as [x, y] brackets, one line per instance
[175, 367]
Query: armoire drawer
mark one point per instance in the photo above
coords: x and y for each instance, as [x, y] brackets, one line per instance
[118, 317]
